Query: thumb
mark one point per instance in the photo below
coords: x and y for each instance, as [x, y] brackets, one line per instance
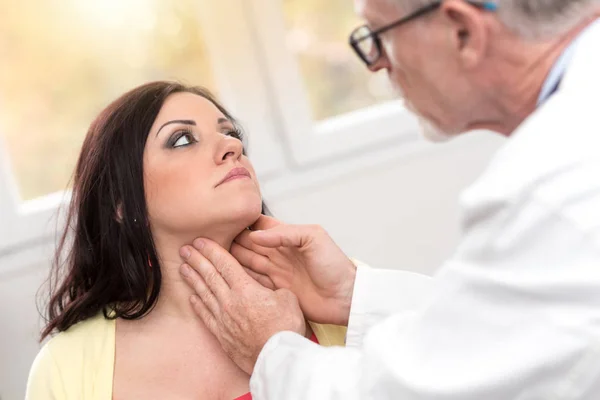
[281, 236]
[265, 222]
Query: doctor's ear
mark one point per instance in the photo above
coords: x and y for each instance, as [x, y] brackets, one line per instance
[469, 34]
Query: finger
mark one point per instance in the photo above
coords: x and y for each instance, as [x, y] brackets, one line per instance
[205, 295]
[282, 236]
[243, 239]
[222, 261]
[260, 278]
[265, 222]
[250, 259]
[209, 273]
[205, 314]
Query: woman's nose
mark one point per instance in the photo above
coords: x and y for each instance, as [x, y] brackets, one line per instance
[229, 148]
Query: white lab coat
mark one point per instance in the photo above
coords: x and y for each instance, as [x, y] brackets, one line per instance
[515, 313]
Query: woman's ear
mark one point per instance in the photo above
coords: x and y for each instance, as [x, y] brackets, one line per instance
[119, 213]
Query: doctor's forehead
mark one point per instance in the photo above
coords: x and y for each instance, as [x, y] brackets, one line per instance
[375, 10]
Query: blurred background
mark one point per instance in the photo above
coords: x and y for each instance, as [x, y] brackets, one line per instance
[328, 140]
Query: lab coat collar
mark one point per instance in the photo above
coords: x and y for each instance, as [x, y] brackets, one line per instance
[565, 130]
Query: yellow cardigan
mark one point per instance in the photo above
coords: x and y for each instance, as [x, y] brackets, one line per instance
[78, 364]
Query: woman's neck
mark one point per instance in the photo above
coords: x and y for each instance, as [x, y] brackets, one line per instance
[174, 298]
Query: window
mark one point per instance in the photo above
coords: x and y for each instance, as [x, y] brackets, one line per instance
[329, 106]
[336, 81]
[62, 62]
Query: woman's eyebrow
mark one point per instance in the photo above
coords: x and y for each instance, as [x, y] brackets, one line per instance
[177, 121]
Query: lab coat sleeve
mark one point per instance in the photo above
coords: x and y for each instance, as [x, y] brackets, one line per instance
[513, 315]
[397, 291]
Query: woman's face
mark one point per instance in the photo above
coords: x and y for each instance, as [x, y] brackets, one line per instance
[196, 179]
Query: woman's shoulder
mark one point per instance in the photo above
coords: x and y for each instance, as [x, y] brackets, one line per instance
[88, 338]
[84, 353]
[329, 335]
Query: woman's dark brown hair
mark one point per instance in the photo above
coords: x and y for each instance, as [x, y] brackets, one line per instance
[106, 259]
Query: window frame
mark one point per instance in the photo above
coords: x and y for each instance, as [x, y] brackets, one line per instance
[311, 143]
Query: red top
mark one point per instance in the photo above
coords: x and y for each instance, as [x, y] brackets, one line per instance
[248, 396]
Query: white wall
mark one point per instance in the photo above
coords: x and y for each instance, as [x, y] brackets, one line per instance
[391, 209]
[402, 213]
[20, 327]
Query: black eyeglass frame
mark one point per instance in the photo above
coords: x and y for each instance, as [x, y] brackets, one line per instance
[374, 35]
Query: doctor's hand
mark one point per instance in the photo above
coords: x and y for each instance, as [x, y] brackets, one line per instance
[241, 313]
[303, 259]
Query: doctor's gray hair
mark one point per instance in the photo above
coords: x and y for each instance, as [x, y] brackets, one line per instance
[531, 19]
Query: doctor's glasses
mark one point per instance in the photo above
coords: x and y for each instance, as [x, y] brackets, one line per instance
[367, 44]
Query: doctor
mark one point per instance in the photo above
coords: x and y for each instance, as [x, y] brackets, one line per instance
[515, 312]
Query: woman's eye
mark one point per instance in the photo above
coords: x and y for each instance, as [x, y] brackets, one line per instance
[235, 134]
[184, 140]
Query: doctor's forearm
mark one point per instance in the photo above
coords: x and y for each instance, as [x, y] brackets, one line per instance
[344, 303]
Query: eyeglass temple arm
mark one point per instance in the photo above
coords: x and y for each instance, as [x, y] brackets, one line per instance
[486, 5]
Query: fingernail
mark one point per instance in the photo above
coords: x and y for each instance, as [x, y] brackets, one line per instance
[199, 244]
[185, 252]
[185, 270]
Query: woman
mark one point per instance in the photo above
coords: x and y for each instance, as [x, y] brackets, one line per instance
[160, 166]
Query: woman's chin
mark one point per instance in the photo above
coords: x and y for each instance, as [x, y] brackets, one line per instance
[245, 213]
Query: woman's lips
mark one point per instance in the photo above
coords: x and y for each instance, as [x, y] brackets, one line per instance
[236, 173]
